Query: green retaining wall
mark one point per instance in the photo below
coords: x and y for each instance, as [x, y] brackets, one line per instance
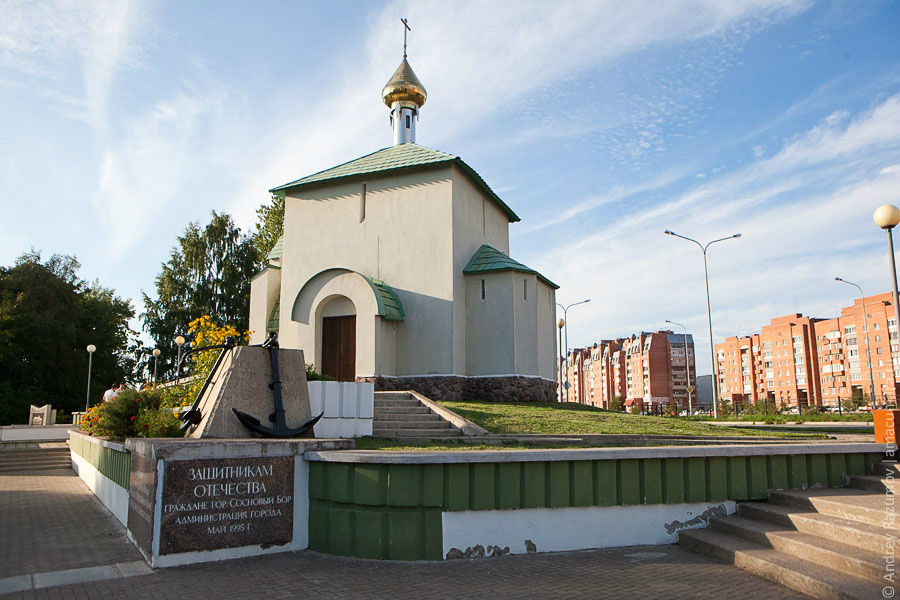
[113, 464]
[393, 511]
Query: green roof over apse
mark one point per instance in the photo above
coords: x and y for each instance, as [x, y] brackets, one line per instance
[487, 259]
[395, 158]
[389, 306]
[277, 250]
[274, 316]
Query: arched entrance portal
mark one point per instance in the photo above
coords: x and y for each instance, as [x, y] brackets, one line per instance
[339, 339]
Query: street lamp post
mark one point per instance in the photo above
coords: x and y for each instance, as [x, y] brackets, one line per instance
[566, 325]
[179, 341]
[687, 372]
[90, 350]
[866, 331]
[887, 216]
[156, 353]
[560, 324]
[712, 351]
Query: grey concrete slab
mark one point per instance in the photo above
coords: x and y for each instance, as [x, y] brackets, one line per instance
[425, 457]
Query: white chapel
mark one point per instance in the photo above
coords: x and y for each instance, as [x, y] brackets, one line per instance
[394, 268]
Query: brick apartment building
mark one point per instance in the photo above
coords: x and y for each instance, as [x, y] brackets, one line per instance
[797, 360]
[646, 370]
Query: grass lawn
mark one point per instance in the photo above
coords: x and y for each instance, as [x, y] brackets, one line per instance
[810, 417]
[371, 443]
[557, 418]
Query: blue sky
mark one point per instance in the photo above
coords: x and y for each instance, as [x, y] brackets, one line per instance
[601, 123]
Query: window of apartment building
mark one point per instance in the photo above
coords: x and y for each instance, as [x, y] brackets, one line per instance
[877, 338]
[878, 350]
[875, 326]
[880, 363]
[882, 375]
[850, 329]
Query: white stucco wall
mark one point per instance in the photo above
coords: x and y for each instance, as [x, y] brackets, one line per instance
[335, 293]
[265, 287]
[419, 231]
[490, 324]
[546, 330]
[476, 220]
[524, 307]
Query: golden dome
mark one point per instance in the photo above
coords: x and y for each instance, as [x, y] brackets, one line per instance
[404, 86]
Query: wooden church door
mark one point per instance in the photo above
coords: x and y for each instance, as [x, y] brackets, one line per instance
[339, 347]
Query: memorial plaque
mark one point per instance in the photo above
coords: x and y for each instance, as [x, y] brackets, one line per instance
[225, 503]
[141, 501]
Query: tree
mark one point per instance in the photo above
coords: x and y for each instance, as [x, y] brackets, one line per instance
[48, 316]
[269, 227]
[208, 273]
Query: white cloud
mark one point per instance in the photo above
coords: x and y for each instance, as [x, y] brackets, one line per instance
[476, 59]
[44, 42]
[174, 159]
[805, 216]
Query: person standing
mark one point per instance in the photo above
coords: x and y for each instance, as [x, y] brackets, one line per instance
[109, 394]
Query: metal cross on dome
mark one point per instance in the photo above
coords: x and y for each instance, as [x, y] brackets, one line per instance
[405, 29]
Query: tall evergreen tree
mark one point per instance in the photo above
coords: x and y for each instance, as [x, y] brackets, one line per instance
[208, 273]
[269, 227]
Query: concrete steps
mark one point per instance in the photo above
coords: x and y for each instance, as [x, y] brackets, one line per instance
[400, 415]
[827, 543]
[30, 460]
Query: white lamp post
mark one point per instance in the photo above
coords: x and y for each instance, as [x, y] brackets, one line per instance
[887, 216]
[565, 320]
[179, 341]
[156, 353]
[866, 330]
[90, 350]
[712, 351]
[687, 372]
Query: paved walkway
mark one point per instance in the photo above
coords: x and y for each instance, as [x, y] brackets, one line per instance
[52, 522]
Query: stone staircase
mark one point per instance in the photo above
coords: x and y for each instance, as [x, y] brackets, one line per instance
[827, 543]
[17, 460]
[400, 415]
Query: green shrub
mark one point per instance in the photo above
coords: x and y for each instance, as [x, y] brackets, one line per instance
[157, 422]
[313, 375]
[147, 413]
[115, 419]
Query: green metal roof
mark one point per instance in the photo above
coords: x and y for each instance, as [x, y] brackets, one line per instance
[389, 306]
[487, 258]
[277, 250]
[394, 158]
[274, 316]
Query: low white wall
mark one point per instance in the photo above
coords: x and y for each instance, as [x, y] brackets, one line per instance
[28, 433]
[112, 495]
[349, 408]
[558, 529]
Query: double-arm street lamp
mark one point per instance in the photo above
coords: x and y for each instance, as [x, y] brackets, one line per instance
[565, 310]
[687, 372]
[712, 352]
[866, 331]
